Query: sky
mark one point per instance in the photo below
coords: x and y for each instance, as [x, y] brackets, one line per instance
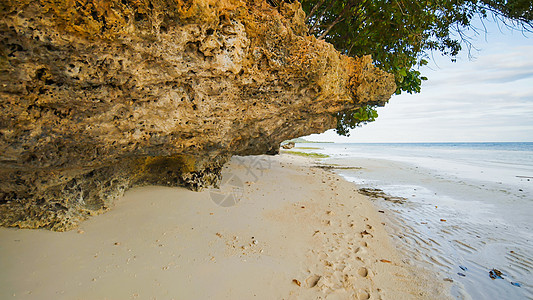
[486, 98]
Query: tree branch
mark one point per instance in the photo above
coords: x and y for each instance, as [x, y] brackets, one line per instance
[337, 20]
[317, 20]
[314, 10]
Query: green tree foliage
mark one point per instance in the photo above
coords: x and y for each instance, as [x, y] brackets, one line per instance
[399, 34]
[351, 119]
[519, 11]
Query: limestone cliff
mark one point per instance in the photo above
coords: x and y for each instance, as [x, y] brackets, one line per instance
[97, 96]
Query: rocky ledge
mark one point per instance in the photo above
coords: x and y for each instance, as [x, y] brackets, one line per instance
[98, 96]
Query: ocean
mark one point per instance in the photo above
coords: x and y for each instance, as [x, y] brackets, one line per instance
[464, 210]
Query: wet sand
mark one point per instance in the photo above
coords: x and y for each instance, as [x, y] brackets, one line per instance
[278, 228]
[463, 227]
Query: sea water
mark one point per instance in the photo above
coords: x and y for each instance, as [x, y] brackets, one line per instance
[468, 208]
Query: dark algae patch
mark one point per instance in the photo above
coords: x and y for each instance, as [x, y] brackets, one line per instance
[380, 194]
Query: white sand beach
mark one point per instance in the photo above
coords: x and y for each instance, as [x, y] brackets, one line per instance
[288, 231]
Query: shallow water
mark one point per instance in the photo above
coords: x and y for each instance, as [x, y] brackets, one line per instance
[469, 209]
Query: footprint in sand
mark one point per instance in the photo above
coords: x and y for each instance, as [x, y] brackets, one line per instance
[360, 250]
[312, 280]
[363, 295]
[363, 272]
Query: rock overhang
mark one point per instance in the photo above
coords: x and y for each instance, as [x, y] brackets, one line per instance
[112, 94]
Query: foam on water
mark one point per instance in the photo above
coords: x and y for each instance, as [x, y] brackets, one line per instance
[466, 212]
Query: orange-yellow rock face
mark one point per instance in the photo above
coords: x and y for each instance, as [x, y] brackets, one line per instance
[97, 96]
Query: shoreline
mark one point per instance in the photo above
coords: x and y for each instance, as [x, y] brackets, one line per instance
[462, 228]
[278, 228]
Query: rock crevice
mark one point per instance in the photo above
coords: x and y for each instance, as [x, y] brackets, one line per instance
[100, 97]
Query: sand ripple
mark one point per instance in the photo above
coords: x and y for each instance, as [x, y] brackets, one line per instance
[462, 247]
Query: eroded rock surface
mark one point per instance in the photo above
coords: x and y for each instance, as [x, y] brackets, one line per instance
[98, 96]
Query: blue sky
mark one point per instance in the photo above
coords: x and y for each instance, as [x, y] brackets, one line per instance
[482, 99]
